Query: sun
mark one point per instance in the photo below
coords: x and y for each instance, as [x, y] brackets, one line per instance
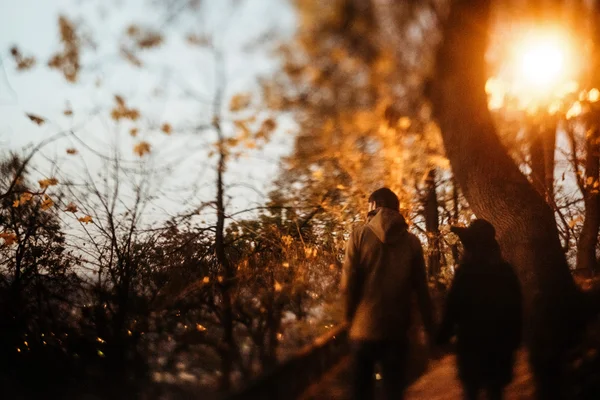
[537, 67]
[542, 58]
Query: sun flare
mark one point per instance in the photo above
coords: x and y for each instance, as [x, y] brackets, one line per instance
[541, 59]
[538, 68]
[542, 62]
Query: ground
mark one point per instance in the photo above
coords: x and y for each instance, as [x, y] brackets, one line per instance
[438, 383]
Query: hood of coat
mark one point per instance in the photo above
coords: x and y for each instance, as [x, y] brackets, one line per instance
[479, 241]
[388, 225]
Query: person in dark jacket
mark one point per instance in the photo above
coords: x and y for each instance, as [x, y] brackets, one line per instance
[383, 268]
[483, 310]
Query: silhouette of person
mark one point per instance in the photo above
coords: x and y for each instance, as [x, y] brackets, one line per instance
[383, 266]
[484, 311]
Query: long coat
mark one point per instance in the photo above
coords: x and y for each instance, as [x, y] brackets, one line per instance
[383, 267]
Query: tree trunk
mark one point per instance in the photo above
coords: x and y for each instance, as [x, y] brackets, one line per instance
[271, 341]
[455, 215]
[228, 340]
[588, 238]
[497, 191]
[549, 145]
[432, 225]
[587, 263]
[542, 143]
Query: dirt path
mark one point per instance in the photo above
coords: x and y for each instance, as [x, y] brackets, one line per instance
[438, 383]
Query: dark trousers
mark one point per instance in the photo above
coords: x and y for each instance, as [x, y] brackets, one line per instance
[484, 369]
[391, 357]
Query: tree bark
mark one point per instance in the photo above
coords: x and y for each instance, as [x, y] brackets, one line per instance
[432, 225]
[587, 263]
[542, 143]
[588, 238]
[497, 191]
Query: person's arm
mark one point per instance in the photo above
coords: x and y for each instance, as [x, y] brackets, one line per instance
[352, 279]
[419, 277]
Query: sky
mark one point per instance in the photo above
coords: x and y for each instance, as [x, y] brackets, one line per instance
[161, 90]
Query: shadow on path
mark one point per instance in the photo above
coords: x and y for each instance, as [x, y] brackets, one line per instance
[438, 383]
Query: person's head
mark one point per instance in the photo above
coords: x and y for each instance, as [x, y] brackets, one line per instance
[384, 197]
[479, 236]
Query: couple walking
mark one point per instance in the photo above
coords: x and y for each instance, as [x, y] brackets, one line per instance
[384, 267]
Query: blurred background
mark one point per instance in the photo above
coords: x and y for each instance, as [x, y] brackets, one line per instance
[179, 177]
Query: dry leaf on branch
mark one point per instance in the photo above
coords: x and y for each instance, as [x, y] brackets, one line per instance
[142, 148]
[36, 119]
[86, 219]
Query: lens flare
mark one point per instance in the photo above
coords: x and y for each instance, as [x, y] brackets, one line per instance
[542, 61]
[539, 67]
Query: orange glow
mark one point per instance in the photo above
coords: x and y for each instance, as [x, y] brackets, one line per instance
[542, 60]
[539, 67]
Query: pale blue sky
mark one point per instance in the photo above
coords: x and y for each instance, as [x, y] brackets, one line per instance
[158, 89]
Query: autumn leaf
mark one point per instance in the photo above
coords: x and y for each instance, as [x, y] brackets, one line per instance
[86, 219]
[239, 102]
[68, 112]
[133, 30]
[141, 148]
[268, 125]
[119, 100]
[25, 197]
[47, 203]
[206, 279]
[36, 119]
[71, 151]
[310, 252]
[149, 40]
[71, 207]
[23, 63]
[16, 203]
[44, 183]
[200, 328]
[133, 132]
[166, 128]
[590, 180]
[231, 142]
[121, 111]
[243, 127]
[287, 240]
[278, 287]
[8, 237]
[67, 60]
